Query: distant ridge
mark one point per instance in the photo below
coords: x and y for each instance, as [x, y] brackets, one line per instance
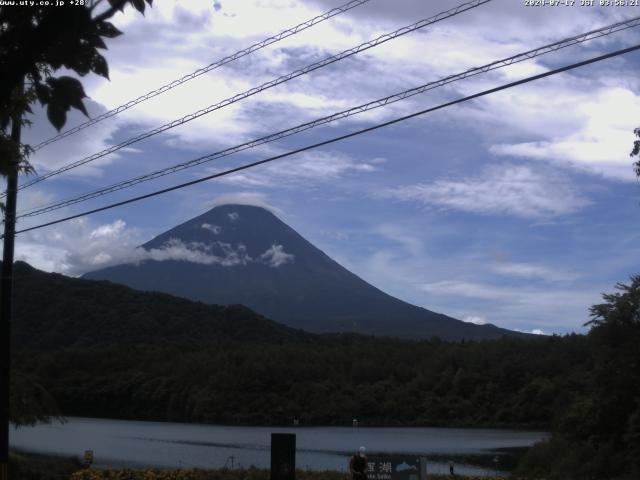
[240, 254]
[52, 311]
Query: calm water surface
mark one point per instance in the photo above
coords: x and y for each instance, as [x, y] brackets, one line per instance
[119, 443]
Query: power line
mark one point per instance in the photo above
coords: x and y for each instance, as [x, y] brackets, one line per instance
[228, 59]
[608, 30]
[336, 139]
[272, 83]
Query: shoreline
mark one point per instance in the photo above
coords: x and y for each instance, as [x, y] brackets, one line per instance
[504, 428]
[34, 466]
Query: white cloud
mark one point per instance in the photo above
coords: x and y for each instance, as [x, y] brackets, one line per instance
[112, 230]
[533, 271]
[545, 305]
[233, 216]
[50, 259]
[534, 331]
[454, 45]
[467, 289]
[32, 198]
[73, 148]
[194, 252]
[275, 256]
[411, 243]
[256, 199]
[581, 120]
[299, 100]
[477, 320]
[600, 140]
[78, 246]
[205, 253]
[500, 190]
[134, 62]
[316, 167]
[215, 229]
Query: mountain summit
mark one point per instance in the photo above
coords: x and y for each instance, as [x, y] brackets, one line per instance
[239, 254]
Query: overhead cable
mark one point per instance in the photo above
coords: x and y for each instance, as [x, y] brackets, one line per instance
[608, 30]
[272, 83]
[212, 66]
[336, 139]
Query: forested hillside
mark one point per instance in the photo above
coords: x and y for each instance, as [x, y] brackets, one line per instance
[330, 381]
[109, 351]
[52, 311]
[98, 349]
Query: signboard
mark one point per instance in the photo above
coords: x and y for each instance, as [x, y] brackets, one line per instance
[393, 467]
[283, 456]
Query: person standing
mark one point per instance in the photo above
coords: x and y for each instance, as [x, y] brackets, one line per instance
[358, 465]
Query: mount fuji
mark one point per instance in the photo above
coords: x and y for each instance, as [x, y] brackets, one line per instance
[239, 254]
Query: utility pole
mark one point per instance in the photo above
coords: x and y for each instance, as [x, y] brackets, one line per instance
[6, 287]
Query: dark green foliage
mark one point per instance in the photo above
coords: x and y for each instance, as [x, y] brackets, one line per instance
[636, 151]
[35, 42]
[598, 436]
[327, 381]
[57, 38]
[27, 466]
[60, 94]
[29, 402]
[53, 311]
[106, 350]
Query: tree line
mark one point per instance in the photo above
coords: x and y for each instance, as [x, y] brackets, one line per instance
[102, 350]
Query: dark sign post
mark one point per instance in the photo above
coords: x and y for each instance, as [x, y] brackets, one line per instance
[283, 456]
[394, 467]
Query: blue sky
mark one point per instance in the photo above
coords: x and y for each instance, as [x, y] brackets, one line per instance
[518, 209]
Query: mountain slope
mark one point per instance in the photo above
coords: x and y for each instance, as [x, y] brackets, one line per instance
[53, 311]
[238, 254]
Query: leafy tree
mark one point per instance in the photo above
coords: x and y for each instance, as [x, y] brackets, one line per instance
[30, 402]
[600, 432]
[35, 43]
[636, 151]
[622, 308]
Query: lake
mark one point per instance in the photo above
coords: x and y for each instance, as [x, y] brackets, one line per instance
[118, 443]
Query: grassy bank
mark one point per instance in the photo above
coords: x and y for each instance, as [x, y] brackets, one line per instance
[223, 474]
[27, 466]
